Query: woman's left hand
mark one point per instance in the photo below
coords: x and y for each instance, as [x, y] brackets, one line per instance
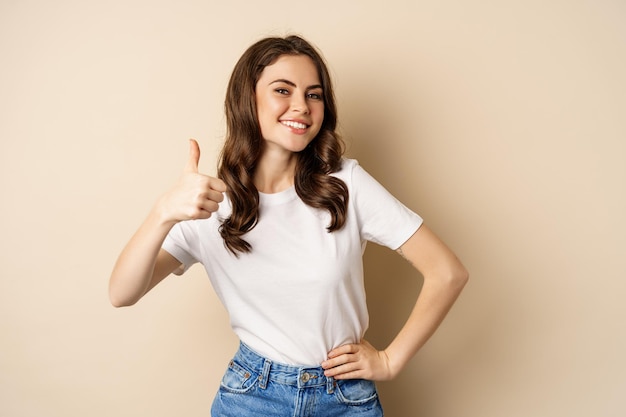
[358, 361]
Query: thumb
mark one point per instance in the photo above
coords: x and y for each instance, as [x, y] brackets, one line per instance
[194, 156]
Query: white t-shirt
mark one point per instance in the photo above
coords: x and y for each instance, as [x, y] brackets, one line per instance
[299, 293]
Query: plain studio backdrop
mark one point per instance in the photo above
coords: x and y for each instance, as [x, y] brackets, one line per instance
[503, 123]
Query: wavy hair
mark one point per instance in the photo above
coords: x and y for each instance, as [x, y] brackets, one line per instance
[244, 143]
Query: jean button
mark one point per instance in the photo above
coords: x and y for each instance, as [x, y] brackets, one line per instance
[305, 377]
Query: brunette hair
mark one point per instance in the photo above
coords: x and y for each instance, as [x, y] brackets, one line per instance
[243, 145]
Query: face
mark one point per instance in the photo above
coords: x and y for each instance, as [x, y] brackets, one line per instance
[290, 103]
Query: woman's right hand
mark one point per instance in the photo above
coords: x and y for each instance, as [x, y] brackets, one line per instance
[195, 196]
[142, 263]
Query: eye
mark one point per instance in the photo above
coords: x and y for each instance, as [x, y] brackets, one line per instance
[314, 96]
[282, 91]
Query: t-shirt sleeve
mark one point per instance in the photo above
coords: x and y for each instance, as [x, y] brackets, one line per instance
[180, 243]
[383, 219]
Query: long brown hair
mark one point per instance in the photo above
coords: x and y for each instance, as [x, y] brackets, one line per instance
[243, 145]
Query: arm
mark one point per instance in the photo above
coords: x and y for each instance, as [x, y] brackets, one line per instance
[142, 263]
[444, 278]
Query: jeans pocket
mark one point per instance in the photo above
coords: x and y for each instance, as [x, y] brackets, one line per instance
[238, 379]
[356, 391]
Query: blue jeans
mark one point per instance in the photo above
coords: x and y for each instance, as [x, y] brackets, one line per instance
[256, 386]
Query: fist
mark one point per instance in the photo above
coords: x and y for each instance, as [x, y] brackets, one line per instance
[195, 196]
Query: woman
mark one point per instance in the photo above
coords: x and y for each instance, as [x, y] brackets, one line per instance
[281, 234]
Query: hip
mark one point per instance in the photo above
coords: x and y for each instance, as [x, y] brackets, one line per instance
[253, 385]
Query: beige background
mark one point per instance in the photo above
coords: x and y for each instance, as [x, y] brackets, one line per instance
[503, 123]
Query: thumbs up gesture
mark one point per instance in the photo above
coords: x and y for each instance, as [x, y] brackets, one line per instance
[195, 196]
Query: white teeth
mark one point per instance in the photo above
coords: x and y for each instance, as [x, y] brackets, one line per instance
[295, 125]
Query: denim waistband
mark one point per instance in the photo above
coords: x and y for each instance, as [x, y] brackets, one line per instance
[269, 371]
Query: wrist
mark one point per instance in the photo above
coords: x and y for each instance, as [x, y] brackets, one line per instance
[395, 363]
[160, 216]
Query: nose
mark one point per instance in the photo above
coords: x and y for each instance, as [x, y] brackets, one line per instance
[299, 104]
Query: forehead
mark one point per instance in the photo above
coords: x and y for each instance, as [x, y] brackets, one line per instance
[299, 69]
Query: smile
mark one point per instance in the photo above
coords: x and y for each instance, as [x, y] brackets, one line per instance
[295, 125]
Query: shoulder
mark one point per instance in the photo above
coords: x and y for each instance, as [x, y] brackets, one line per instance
[347, 169]
[348, 164]
[354, 175]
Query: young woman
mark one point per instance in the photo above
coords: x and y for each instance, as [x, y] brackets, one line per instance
[281, 234]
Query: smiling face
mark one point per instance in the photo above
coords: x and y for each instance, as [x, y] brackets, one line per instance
[289, 103]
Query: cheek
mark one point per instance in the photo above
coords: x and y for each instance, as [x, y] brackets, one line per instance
[270, 109]
[318, 113]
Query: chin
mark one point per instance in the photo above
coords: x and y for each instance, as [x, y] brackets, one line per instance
[295, 146]
[300, 147]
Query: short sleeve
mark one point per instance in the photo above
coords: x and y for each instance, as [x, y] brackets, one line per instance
[382, 218]
[182, 243]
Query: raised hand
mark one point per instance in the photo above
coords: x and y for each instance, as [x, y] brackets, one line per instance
[195, 196]
[358, 361]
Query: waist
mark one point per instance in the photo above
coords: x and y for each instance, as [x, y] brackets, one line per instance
[268, 370]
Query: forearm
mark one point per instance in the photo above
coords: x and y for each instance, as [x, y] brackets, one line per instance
[444, 278]
[142, 264]
[435, 300]
[362, 360]
[133, 272]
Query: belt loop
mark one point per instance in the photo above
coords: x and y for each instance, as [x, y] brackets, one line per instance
[264, 377]
[330, 385]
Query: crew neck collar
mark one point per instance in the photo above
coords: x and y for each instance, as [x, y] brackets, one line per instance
[280, 197]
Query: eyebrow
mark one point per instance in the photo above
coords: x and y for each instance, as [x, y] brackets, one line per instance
[291, 83]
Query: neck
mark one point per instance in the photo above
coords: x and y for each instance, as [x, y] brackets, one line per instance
[275, 172]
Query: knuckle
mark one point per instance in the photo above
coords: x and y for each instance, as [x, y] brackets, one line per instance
[193, 213]
[212, 206]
